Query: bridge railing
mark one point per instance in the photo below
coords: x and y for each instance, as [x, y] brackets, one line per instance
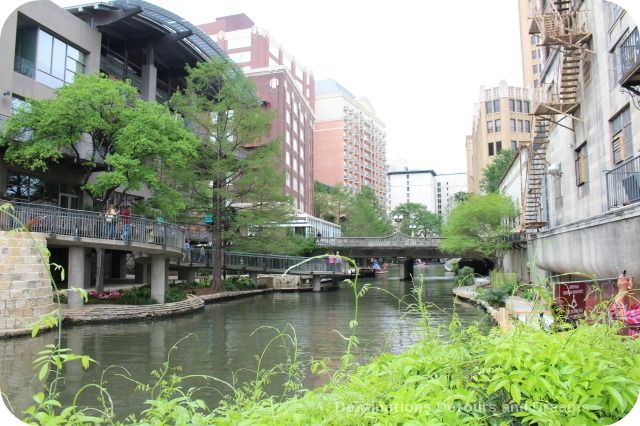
[56, 221]
[277, 263]
[395, 240]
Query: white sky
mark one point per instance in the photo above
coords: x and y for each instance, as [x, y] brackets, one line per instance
[420, 66]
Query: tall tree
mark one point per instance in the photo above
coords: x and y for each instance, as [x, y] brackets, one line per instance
[330, 203]
[119, 141]
[493, 173]
[237, 180]
[365, 217]
[481, 224]
[418, 220]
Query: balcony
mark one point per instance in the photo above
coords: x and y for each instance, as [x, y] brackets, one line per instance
[623, 184]
[630, 62]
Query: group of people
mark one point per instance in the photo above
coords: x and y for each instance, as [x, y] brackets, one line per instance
[187, 253]
[112, 215]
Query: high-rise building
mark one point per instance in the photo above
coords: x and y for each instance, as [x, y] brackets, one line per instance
[424, 187]
[350, 141]
[501, 120]
[286, 87]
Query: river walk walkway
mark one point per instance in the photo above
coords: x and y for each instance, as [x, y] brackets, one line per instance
[516, 308]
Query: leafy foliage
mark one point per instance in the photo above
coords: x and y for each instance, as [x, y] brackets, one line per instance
[465, 276]
[495, 296]
[426, 223]
[237, 179]
[365, 216]
[493, 172]
[132, 142]
[482, 224]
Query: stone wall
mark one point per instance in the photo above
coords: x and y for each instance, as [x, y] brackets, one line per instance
[26, 294]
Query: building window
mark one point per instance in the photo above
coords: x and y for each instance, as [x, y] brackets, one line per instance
[489, 126]
[496, 105]
[498, 146]
[489, 107]
[535, 69]
[32, 189]
[512, 105]
[520, 126]
[46, 58]
[491, 149]
[525, 107]
[512, 124]
[518, 105]
[622, 143]
[527, 126]
[582, 165]
[514, 145]
[498, 125]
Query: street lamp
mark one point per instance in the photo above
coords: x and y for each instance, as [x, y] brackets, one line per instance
[397, 218]
[413, 229]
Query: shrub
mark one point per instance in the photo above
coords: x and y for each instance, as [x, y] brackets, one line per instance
[465, 276]
[495, 297]
[237, 283]
[138, 296]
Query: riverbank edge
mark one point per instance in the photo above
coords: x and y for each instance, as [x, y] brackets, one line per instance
[93, 314]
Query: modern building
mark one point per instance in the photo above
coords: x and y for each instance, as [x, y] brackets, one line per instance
[424, 187]
[350, 141]
[286, 87]
[501, 120]
[580, 176]
[44, 46]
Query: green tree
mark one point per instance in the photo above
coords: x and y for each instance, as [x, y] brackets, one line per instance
[481, 224]
[365, 217]
[237, 179]
[117, 141]
[330, 203]
[418, 220]
[493, 173]
[131, 142]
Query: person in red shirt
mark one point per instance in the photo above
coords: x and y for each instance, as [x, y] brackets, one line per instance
[625, 306]
[125, 218]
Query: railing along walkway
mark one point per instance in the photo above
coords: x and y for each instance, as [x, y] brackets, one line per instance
[266, 263]
[397, 239]
[81, 224]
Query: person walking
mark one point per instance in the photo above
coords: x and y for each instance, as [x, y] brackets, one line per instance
[125, 218]
[110, 218]
[186, 251]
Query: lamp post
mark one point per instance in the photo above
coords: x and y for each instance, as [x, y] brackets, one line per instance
[413, 229]
[397, 218]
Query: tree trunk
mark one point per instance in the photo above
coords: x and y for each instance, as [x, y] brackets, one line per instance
[100, 259]
[216, 278]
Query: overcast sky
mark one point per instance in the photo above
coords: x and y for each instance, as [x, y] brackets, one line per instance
[420, 66]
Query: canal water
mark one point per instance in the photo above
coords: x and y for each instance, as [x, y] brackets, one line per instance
[225, 339]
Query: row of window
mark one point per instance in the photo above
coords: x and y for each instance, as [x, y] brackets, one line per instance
[515, 105]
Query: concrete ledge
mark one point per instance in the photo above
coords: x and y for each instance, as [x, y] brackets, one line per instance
[110, 313]
[217, 297]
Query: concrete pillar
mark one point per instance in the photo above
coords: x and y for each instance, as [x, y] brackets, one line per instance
[158, 277]
[118, 264]
[317, 285]
[187, 274]
[149, 79]
[76, 276]
[254, 276]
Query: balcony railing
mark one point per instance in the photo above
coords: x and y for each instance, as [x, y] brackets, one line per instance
[630, 56]
[24, 67]
[623, 184]
[81, 224]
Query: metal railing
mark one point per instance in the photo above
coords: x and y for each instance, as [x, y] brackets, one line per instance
[395, 240]
[56, 221]
[623, 183]
[629, 54]
[264, 263]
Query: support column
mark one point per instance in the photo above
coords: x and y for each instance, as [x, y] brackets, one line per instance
[76, 276]
[317, 285]
[158, 277]
[187, 274]
[254, 276]
[143, 273]
[149, 76]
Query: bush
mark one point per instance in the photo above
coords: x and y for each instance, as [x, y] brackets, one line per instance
[495, 297]
[238, 283]
[465, 276]
[138, 296]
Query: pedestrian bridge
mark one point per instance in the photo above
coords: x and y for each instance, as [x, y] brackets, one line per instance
[397, 245]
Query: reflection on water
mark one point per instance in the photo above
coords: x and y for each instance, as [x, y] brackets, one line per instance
[226, 337]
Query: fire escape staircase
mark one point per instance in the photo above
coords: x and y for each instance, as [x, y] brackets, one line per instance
[562, 29]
